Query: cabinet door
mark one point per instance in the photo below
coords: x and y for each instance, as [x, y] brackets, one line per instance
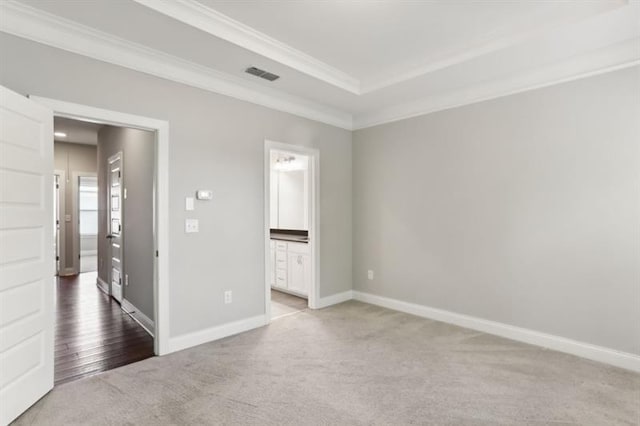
[299, 273]
[273, 266]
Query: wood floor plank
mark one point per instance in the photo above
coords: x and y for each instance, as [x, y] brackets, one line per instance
[92, 333]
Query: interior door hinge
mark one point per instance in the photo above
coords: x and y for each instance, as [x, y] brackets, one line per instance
[156, 253]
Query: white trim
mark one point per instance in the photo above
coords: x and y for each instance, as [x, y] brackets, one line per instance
[103, 286]
[161, 225]
[196, 338]
[67, 272]
[334, 299]
[314, 222]
[138, 316]
[209, 20]
[34, 24]
[582, 23]
[219, 25]
[609, 59]
[585, 350]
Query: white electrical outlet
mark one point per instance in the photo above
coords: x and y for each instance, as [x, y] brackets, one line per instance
[191, 225]
[228, 297]
[370, 274]
[126, 280]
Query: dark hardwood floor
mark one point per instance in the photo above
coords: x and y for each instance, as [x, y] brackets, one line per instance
[92, 333]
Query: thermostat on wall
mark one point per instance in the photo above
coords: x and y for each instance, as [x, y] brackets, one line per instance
[204, 194]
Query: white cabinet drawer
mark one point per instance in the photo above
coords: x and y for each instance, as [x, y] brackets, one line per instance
[281, 263]
[301, 248]
[281, 279]
[281, 245]
[281, 255]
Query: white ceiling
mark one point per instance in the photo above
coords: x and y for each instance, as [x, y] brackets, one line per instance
[375, 40]
[347, 63]
[80, 132]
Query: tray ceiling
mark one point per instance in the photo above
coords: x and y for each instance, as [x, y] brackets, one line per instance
[348, 63]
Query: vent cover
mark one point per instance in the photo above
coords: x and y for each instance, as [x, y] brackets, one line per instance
[261, 73]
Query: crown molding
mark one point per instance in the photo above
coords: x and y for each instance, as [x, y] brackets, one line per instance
[36, 25]
[623, 55]
[219, 25]
[209, 20]
[378, 82]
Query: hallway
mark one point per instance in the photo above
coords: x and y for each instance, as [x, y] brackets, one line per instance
[92, 333]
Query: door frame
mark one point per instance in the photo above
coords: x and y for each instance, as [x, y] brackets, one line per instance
[161, 197]
[75, 187]
[62, 233]
[314, 220]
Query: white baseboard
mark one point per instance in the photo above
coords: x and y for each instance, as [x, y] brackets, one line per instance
[585, 350]
[334, 299]
[215, 333]
[66, 272]
[102, 285]
[138, 316]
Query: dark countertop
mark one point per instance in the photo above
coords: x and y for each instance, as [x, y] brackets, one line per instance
[292, 238]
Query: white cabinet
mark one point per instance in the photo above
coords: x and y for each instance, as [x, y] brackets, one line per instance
[292, 267]
[273, 262]
[299, 277]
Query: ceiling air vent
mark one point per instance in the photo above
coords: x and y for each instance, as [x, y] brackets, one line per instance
[261, 73]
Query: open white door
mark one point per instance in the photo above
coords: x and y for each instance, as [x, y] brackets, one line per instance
[26, 253]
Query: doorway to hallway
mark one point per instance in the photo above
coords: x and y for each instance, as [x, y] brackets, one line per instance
[93, 334]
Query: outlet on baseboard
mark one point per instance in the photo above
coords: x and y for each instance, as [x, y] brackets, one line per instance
[228, 297]
[370, 274]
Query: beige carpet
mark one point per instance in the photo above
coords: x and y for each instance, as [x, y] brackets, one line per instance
[351, 364]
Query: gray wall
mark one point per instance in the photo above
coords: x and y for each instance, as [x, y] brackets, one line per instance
[138, 164]
[216, 143]
[72, 158]
[523, 210]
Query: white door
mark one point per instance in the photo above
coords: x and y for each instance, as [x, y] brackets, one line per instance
[115, 224]
[26, 249]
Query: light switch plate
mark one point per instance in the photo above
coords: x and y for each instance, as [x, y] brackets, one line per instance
[204, 194]
[67, 218]
[189, 204]
[191, 225]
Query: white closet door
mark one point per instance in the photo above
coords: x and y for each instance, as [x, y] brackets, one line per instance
[26, 253]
